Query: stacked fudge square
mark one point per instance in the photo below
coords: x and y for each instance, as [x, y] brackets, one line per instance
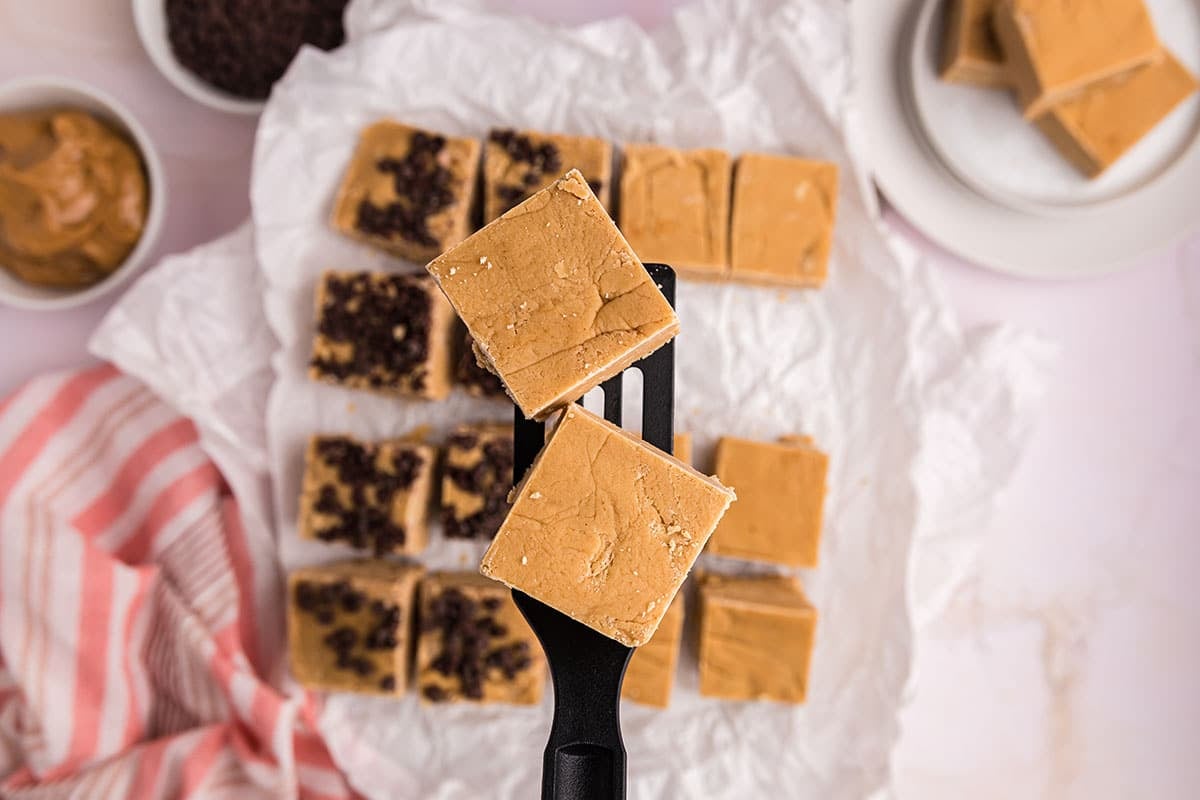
[1092, 75]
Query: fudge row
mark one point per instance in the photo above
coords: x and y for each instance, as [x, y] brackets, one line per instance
[1092, 75]
[763, 219]
[377, 627]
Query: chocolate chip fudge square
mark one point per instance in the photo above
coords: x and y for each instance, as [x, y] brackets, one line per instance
[349, 625]
[756, 638]
[408, 191]
[474, 645]
[555, 299]
[516, 164]
[383, 333]
[477, 475]
[476, 380]
[370, 496]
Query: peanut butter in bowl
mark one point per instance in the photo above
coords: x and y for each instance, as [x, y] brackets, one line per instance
[74, 197]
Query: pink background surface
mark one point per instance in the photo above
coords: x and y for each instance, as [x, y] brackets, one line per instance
[1068, 666]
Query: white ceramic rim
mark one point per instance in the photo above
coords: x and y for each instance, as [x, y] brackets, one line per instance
[155, 210]
[1105, 239]
[149, 18]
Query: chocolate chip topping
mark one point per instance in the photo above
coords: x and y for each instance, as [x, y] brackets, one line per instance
[350, 647]
[424, 188]
[387, 322]
[489, 479]
[467, 631]
[366, 522]
[474, 378]
[538, 160]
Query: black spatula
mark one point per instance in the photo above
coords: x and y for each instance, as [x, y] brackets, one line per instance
[585, 758]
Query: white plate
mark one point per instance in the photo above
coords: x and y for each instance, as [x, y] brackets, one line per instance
[986, 187]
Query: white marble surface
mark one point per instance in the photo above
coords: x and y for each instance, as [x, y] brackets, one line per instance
[1069, 666]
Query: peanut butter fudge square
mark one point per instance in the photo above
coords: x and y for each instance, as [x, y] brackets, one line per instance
[781, 499]
[518, 163]
[474, 644]
[408, 191]
[650, 675]
[477, 381]
[349, 625]
[370, 496]
[675, 207]
[1056, 47]
[476, 477]
[1102, 122]
[756, 638]
[784, 211]
[970, 51]
[383, 333]
[554, 297]
[605, 528]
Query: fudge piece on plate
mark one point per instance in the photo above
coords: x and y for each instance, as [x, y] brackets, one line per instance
[1101, 123]
[349, 625]
[781, 499]
[518, 163]
[474, 644]
[554, 297]
[1057, 47]
[477, 474]
[383, 333]
[783, 216]
[756, 638]
[370, 496]
[970, 52]
[604, 527]
[408, 191]
[675, 207]
[651, 671]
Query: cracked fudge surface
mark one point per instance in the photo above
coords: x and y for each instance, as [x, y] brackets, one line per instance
[781, 499]
[516, 164]
[1056, 47]
[554, 297]
[605, 528]
[408, 191]
[474, 645]
[970, 52]
[783, 217]
[384, 333]
[650, 675]
[675, 207]
[369, 496]
[756, 638]
[349, 625]
[477, 475]
[1098, 125]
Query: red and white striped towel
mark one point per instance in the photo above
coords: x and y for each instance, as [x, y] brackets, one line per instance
[129, 655]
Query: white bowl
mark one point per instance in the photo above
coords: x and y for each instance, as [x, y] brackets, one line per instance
[50, 92]
[150, 18]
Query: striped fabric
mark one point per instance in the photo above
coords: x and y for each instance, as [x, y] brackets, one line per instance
[128, 657]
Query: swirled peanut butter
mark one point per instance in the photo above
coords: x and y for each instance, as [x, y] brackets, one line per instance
[73, 197]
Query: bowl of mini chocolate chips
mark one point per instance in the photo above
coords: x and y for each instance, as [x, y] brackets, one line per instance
[228, 54]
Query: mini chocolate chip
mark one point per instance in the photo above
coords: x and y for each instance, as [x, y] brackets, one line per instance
[435, 693]
[388, 683]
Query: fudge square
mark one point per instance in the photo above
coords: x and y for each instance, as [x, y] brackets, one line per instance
[781, 498]
[408, 191]
[683, 447]
[1102, 122]
[756, 638]
[651, 671]
[675, 207]
[783, 216]
[383, 333]
[518, 163]
[554, 297]
[349, 625]
[1056, 47]
[605, 528]
[370, 496]
[474, 644]
[970, 52]
[475, 380]
[477, 473]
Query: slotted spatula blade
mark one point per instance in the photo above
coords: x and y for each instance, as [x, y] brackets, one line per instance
[585, 757]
